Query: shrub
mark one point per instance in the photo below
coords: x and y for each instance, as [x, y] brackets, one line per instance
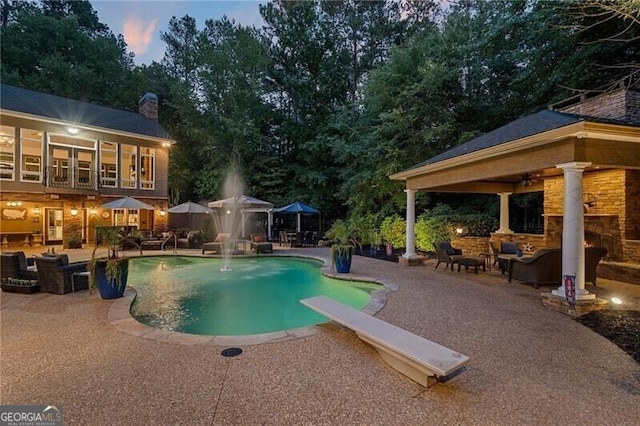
[393, 230]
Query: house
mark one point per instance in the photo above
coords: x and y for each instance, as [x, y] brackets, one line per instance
[583, 154]
[61, 159]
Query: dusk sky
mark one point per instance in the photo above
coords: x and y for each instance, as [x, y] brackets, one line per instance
[141, 21]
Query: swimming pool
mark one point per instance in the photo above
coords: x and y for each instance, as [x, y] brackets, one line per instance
[259, 295]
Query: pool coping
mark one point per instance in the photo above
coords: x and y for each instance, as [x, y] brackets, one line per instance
[119, 316]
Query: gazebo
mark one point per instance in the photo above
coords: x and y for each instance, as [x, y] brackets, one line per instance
[584, 154]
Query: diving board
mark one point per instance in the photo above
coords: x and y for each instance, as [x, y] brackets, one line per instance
[412, 355]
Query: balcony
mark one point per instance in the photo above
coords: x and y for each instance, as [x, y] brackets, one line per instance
[71, 178]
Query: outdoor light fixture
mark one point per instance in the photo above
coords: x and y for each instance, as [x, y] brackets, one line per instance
[72, 130]
[93, 211]
[74, 211]
[14, 203]
[36, 211]
[459, 231]
[616, 301]
[228, 211]
[526, 179]
[163, 212]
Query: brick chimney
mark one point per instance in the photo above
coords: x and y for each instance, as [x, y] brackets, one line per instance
[621, 104]
[148, 106]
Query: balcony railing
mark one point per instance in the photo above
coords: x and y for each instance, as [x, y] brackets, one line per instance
[71, 178]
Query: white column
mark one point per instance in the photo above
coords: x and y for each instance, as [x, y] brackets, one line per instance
[298, 226]
[573, 229]
[269, 223]
[411, 224]
[504, 213]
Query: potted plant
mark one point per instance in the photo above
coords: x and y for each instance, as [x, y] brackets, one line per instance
[342, 235]
[74, 241]
[109, 273]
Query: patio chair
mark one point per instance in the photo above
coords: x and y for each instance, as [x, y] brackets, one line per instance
[260, 244]
[218, 244]
[447, 254]
[55, 274]
[16, 265]
[592, 256]
[543, 268]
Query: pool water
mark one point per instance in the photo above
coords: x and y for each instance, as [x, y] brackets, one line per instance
[259, 295]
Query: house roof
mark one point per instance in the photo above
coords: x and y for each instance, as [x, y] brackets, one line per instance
[79, 113]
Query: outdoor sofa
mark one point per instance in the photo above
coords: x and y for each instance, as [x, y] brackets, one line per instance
[545, 266]
[55, 274]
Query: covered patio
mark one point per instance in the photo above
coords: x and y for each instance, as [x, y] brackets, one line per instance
[584, 156]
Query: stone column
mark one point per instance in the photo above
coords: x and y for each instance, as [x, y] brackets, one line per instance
[410, 257]
[269, 223]
[504, 214]
[573, 229]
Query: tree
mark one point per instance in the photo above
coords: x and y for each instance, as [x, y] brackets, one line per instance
[62, 48]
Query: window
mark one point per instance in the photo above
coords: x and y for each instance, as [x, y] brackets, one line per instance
[128, 162]
[119, 217]
[147, 168]
[7, 152]
[109, 164]
[31, 149]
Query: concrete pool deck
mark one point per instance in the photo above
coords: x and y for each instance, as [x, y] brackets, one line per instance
[529, 365]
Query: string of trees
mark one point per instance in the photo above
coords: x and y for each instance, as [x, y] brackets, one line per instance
[328, 98]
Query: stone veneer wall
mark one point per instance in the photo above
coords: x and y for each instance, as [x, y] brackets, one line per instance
[615, 216]
[476, 245]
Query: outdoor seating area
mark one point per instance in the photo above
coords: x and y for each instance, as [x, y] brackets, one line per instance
[383, 392]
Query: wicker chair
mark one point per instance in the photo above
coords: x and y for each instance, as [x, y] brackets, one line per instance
[543, 268]
[447, 254]
[16, 265]
[592, 256]
[55, 274]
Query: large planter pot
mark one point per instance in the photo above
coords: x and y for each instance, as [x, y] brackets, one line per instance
[111, 289]
[342, 262]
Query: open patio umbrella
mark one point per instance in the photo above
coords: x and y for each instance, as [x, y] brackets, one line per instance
[188, 208]
[127, 203]
[297, 208]
[242, 202]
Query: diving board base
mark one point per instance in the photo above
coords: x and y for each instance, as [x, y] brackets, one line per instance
[412, 370]
[412, 355]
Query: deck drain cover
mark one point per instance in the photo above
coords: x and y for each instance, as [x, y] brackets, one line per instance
[230, 352]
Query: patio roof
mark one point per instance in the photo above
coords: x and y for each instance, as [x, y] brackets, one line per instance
[535, 144]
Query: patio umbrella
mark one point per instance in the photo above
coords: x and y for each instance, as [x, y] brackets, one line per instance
[189, 208]
[297, 208]
[127, 203]
[242, 202]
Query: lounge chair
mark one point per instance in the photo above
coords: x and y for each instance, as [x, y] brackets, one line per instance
[55, 274]
[447, 254]
[16, 265]
[260, 244]
[218, 244]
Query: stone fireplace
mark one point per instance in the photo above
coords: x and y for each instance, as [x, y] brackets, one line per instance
[599, 231]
